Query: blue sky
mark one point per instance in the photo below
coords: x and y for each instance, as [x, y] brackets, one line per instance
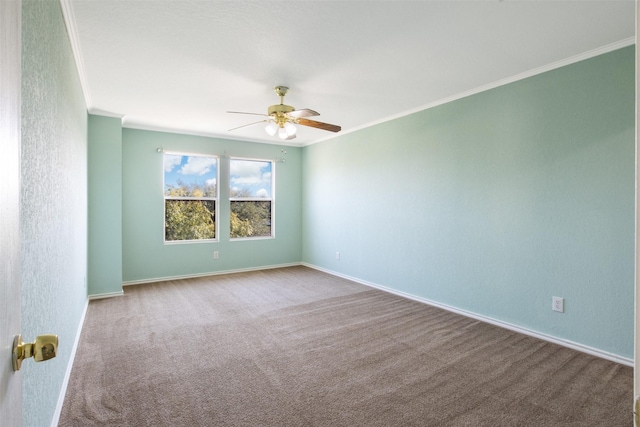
[251, 175]
[200, 170]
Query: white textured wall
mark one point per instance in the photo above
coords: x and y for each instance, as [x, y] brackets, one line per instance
[54, 201]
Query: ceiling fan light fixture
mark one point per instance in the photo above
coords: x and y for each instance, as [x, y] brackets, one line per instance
[271, 128]
[290, 129]
[282, 133]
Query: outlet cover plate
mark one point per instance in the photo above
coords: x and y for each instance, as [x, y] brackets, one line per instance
[557, 304]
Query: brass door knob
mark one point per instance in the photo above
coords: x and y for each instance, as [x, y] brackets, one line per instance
[45, 347]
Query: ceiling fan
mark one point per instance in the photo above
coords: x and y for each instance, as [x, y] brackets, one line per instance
[282, 118]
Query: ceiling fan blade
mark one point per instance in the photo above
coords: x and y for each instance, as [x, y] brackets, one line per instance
[290, 137]
[319, 125]
[303, 112]
[242, 112]
[250, 124]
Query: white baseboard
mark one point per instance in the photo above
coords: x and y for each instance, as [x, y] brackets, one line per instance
[560, 341]
[106, 295]
[67, 374]
[212, 273]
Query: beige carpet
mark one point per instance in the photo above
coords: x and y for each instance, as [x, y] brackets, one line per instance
[297, 347]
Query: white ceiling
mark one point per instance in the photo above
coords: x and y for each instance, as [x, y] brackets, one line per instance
[179, 65]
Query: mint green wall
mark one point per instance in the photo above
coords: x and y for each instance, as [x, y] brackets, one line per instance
[53, 220]
[146, 257]
[494, 203]
[105, 205]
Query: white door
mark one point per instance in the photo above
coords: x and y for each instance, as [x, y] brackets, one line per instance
[10, 54]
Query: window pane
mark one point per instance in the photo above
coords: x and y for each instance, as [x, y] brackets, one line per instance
[189, 219]
[250, 178]
[250, 219]
[190, 176]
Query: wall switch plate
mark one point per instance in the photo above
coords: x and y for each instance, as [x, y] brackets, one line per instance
[216, 255]
[557, 304]
[337, 255]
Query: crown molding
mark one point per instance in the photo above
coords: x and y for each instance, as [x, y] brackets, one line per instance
[99, 112]
[181, 131]
[72, 32]
[549, 67]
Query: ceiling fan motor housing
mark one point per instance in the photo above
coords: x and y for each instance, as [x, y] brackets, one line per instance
[279, 113]
[280, 108]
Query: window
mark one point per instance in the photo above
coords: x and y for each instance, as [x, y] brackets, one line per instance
[251, 197]
[190, 195]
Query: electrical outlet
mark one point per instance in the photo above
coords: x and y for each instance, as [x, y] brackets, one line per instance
[557, 304]
[216, 255]
[337, 255]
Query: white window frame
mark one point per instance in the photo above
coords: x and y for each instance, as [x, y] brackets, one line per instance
[271, 199]
[215, 199]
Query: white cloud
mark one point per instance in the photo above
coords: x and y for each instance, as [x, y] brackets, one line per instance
[250, 177]
[171, 161]
[249, 173]
[246, 167]
[246, 180]
[210, 182]
[198, 165]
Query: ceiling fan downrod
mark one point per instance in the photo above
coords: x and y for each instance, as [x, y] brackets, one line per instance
[279, 110]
